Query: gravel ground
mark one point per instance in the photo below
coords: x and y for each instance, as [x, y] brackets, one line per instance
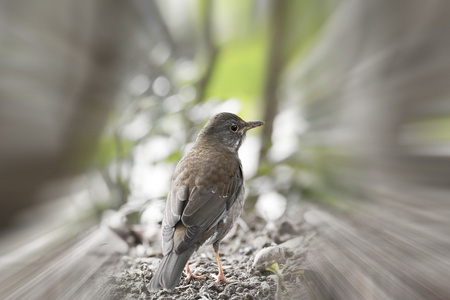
[246, 253]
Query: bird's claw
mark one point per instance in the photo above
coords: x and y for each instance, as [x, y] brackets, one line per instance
[190, 275]
[220, 278]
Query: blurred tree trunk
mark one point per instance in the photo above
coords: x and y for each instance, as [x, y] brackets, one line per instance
[274, 67]
[207, 8]
[64, 64]
[275, 63]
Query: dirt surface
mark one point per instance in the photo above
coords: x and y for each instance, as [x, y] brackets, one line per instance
[246, 253]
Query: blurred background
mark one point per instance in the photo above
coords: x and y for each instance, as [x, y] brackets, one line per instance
[100, 99]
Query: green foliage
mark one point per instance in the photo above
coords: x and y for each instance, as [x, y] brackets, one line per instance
[110, 148]
[240, 70]
[304, 21]
[174, 157]
[431, 129]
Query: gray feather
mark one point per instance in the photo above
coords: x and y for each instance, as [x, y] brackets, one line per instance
[169, 272]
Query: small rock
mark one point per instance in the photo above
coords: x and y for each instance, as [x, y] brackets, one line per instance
[214, 287]
[265, 287]
[286, 228]
[294, 243]
[142, 288]
[248, 297]
[246, 251]
[259, 242]
[230, 289]
[267, 256]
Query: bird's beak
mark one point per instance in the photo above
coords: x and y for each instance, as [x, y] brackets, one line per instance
[252, 124]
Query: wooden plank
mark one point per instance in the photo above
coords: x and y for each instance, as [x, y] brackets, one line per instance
[76, 271]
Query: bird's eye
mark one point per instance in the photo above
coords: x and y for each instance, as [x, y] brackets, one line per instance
[234, 128]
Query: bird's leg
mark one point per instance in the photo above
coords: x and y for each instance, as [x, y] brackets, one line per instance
[190, 275]
[220, 277]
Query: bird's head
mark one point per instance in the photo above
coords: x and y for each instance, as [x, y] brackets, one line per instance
[227, 129]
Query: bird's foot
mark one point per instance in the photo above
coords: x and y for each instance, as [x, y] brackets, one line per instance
[190, 275]
[221, 277]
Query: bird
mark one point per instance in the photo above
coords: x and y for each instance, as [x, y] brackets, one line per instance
[206, 198]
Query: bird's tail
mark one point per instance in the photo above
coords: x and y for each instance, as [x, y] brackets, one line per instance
[169, 271]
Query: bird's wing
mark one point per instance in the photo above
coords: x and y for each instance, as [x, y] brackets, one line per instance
[199, 207]
[206, 207]
[176, 201]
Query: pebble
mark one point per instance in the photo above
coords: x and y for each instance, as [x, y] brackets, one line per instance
[265, 287]
[249, 297]
[267, 256]
[230, 289]
[244, 265]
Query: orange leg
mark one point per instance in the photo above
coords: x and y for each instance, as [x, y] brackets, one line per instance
[190, 275]
[220, 277]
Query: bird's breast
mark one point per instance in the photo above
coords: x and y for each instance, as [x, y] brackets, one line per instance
[206, 166]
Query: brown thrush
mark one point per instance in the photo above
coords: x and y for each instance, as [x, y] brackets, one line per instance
[206, 198]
